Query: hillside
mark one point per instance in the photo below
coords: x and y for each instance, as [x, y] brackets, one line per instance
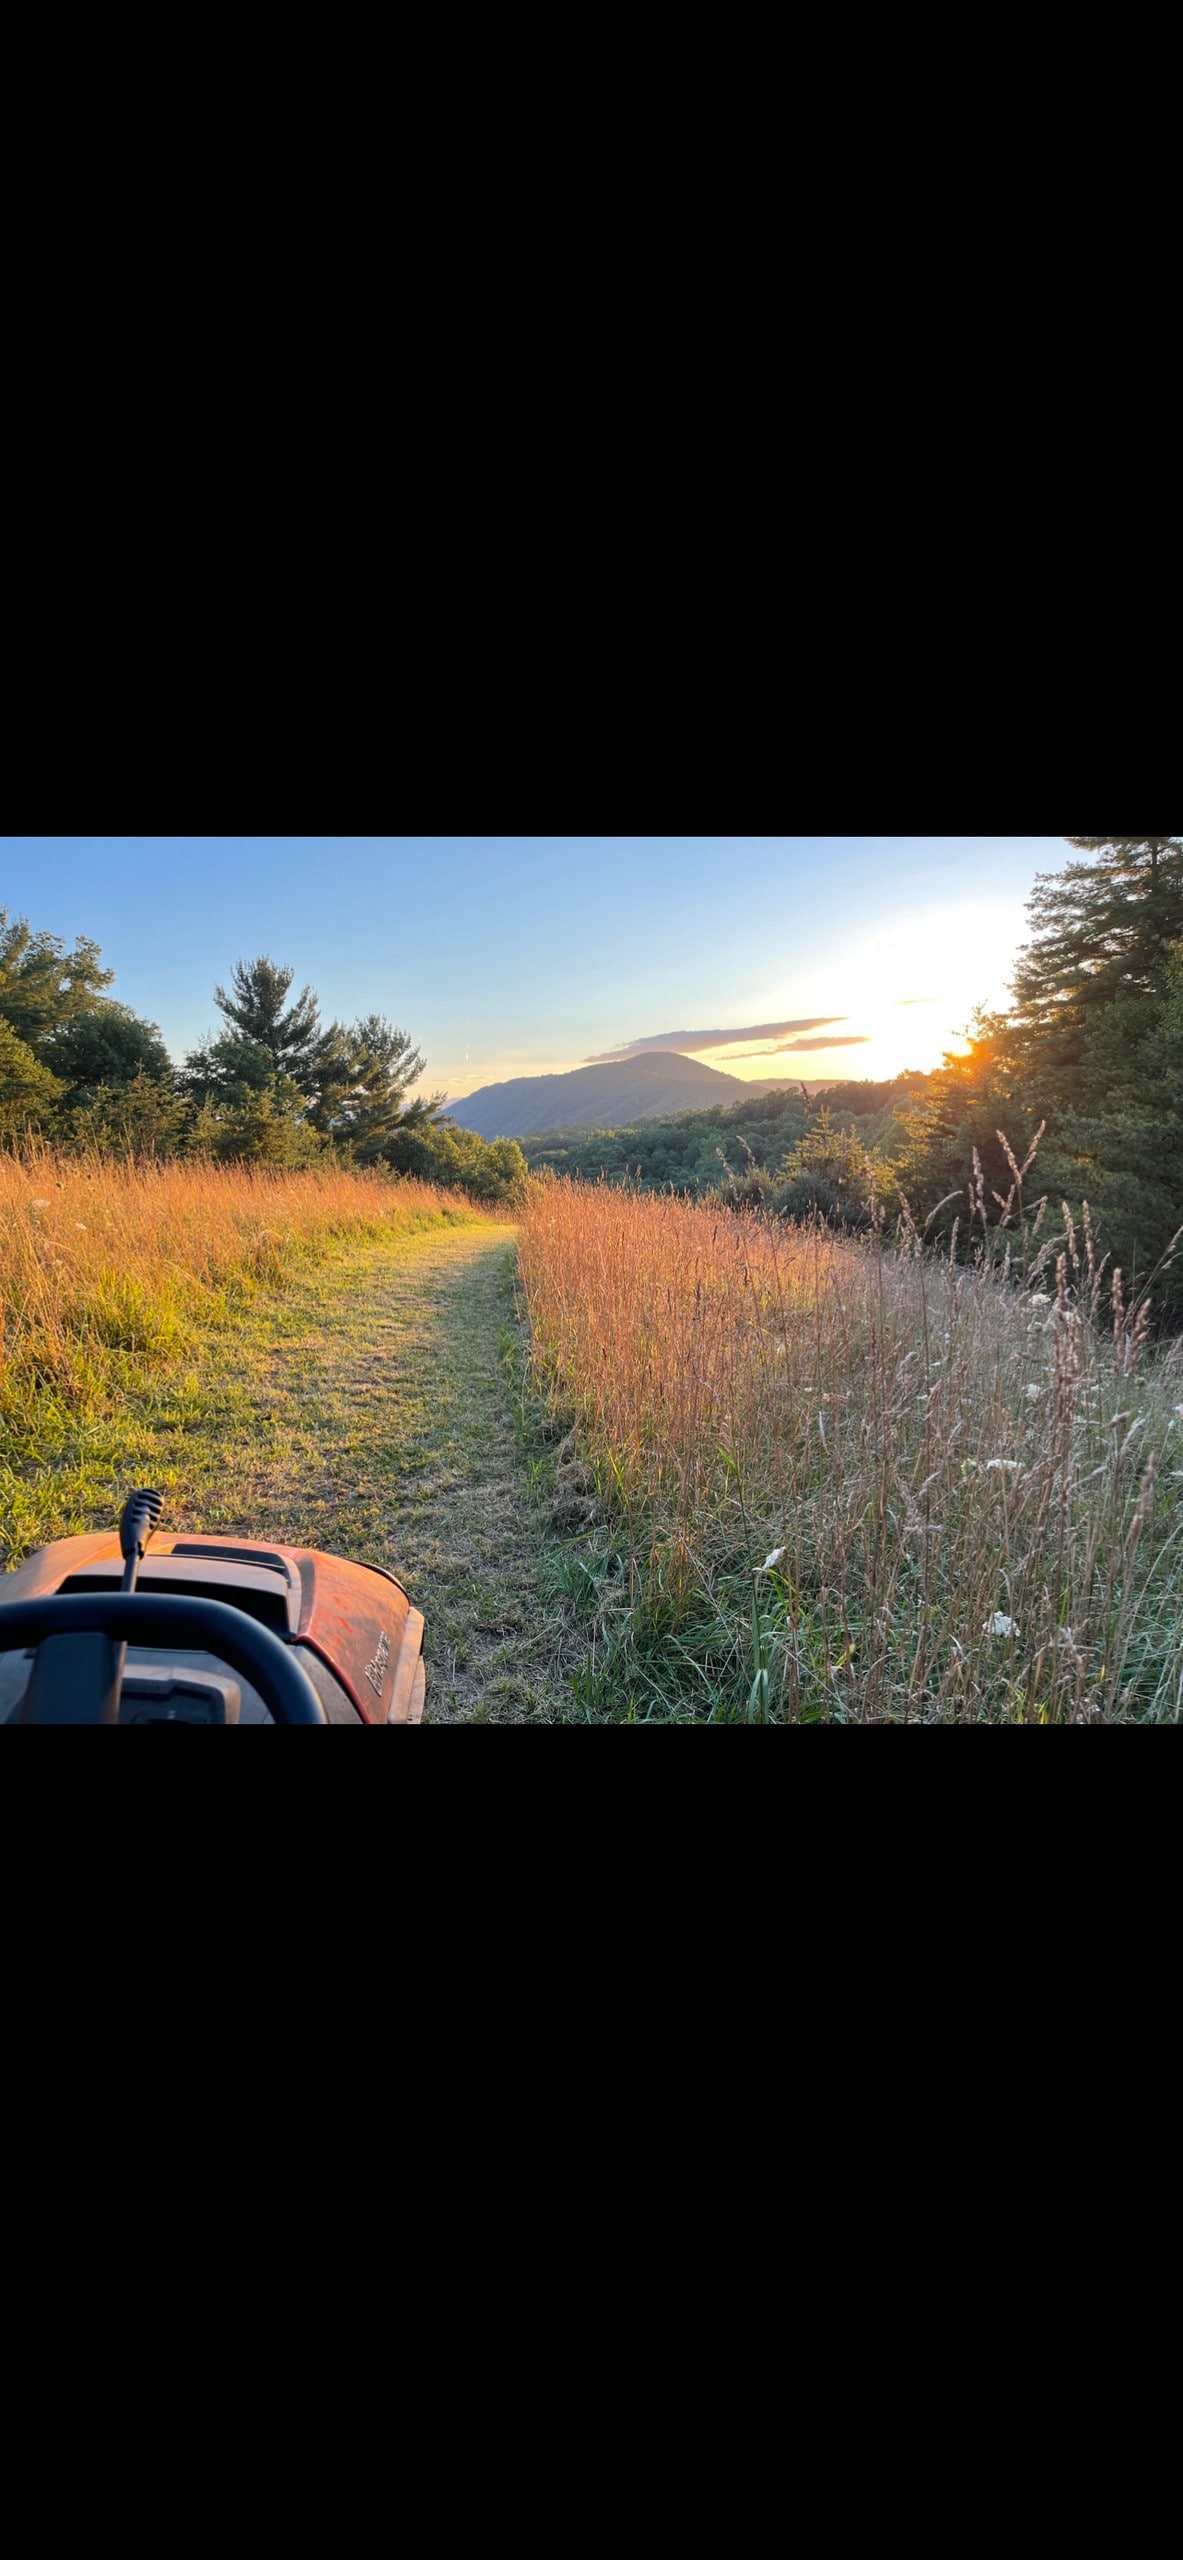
[609, 1097]
[681, 1150]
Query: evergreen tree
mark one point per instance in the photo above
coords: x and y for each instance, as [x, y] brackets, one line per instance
[293, 1040]
[1094, 1047]
[267, 1127]
[1102, 932]
[227, 1071]
[143, 1115]
[364, 1076]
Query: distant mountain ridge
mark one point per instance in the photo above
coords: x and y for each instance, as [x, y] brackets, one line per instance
[602, 1097]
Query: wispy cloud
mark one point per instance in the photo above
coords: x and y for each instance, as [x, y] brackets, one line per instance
[693, 1041]
[902, 1002]
[844, 1040]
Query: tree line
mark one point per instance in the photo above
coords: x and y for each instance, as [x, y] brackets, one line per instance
[273, 1085]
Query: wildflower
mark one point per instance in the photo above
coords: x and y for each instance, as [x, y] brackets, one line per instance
[1002, 1462]
[1001, 1625]
[1035, 1394]
[771, 1561]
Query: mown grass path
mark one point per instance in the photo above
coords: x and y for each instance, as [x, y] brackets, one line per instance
[384, 1428]
[367, 1408]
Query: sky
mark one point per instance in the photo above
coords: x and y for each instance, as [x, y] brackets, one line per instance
[503, 956]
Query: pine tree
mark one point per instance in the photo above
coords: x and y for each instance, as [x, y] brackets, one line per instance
[293, 1040]
[364, 1076]
[1094, 1046]
[1102, 934]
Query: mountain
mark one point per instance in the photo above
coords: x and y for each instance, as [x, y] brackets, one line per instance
[610, 1097]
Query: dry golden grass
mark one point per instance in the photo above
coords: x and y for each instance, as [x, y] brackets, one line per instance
[860, 1483]
[109, 1271]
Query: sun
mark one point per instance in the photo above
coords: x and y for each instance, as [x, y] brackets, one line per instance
[905, 993]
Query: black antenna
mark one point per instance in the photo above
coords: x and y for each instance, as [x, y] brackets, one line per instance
[141, 1511]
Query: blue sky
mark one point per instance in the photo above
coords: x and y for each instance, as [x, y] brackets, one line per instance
[508, 956]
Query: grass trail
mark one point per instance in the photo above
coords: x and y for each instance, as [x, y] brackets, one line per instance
[384, 1427]
[368, 1410]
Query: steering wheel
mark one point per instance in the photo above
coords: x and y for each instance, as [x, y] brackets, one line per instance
[78, 1669]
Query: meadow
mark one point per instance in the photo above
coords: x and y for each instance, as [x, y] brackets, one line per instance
[117, 1277]
[842, 1479]
[763, 1471]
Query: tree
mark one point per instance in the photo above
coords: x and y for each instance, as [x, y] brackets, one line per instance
[363, 1078]
[958, 1111]
[81, 1043]
[227, 1071]
[28, 1092]
[268, 1127]
[1102, 932]
[293, 1040]
[144, 1116]
[43, 985]
[109, 1047]
[1093, 1045]
[492, 1169]
[829, 1169]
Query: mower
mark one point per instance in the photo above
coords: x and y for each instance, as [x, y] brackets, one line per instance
[132, 1627]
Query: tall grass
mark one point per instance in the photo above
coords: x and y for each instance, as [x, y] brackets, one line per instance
[853, 1483]
[110, 1270]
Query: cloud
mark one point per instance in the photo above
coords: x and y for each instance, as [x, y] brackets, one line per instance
[903, 1001]
[846, 1040]
[692, 1041]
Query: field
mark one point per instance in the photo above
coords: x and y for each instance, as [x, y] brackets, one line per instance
[685, 1466]
[116, 1281]
[845, 1483]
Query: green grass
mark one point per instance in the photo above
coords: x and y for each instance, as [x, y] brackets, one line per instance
[369, 1408]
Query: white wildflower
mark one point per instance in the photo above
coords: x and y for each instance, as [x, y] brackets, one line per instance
[1002, 1462]
[1035, 1394]
[771, 1561]
[1001, 1625]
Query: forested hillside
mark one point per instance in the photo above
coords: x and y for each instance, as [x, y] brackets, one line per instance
[697, 1151]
